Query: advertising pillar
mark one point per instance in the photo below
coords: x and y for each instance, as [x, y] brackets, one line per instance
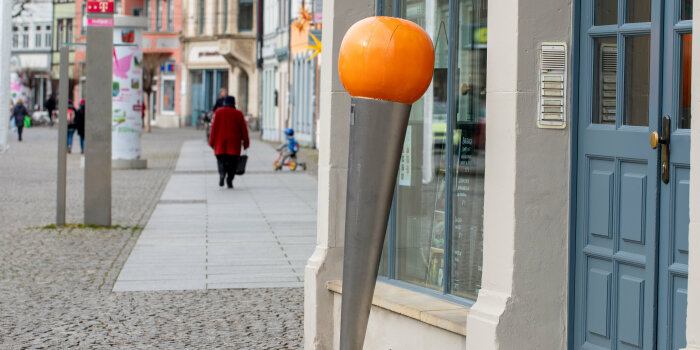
[385, 64]
[127, 92]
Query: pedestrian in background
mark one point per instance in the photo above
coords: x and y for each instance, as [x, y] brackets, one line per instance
[220, 101]
[19, 111]
[70, 116]
[80, 124]
[50, 106]
[228, 132]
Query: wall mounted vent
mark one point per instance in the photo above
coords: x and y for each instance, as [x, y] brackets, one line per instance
[552, 99]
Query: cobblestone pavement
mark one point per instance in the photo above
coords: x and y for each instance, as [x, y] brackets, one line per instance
[55, 284]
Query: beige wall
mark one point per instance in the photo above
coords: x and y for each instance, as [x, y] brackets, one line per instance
[389, 330]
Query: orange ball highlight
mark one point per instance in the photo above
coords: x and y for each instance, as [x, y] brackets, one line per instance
[386, 58]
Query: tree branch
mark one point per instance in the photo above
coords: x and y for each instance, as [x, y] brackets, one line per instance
[18, 7]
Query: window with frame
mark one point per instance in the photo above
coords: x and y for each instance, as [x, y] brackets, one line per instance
[148, 10]
[170, 11]
[15, 37]
[59, 33]
[83, 19]
[224, 15]
[435, 234]
[245, 15]
[25, 37]
[159, 15]
[37, 37]
[47, 37]
[202, 16]
[69, 30]
[167, 74]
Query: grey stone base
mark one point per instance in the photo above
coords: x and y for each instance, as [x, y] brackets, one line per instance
[129, 163]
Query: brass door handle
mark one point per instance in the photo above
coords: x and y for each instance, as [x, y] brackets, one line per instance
[655, 140]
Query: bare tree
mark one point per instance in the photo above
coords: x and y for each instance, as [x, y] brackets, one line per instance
[151, 67]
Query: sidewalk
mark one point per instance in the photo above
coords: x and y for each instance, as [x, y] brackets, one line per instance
[201, 236]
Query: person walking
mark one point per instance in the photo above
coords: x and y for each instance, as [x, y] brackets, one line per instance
[70, 123]
[80, 124]
[223, 93]
[228, 132]
[50, 106]
[19, 111]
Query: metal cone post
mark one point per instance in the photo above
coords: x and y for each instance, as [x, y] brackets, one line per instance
[386, 64]
[377, 130]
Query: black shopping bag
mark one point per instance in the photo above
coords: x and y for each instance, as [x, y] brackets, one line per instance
[240, 169]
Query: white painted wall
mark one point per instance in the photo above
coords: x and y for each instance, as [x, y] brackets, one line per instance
[524, 295]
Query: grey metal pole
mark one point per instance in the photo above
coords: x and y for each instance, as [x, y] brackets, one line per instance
[62, 137]
[98, 120]
[377, 132]
[5, 37]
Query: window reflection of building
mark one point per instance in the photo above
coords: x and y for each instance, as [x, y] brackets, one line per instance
[435, 238]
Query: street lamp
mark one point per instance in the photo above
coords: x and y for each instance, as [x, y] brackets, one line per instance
[385, 64]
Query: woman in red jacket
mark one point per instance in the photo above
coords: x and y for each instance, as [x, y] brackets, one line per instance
[228, 132]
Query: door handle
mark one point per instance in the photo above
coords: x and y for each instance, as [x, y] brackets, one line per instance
[664, 140]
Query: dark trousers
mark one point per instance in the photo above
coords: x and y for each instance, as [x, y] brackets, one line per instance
[227, 167]
[19, 131]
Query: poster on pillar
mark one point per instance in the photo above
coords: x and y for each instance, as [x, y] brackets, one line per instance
[127, 94]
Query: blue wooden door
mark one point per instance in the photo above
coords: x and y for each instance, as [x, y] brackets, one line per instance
[674, 190]
[631, 226]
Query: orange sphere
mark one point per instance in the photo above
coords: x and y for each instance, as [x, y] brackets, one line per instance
[386, 58]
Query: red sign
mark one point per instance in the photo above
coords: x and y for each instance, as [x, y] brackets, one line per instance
[100, 7]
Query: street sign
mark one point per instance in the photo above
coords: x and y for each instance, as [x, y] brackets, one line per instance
[100, 7]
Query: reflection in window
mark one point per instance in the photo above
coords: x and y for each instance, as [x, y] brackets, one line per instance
[605, 81]
[686, 9]
[168, 95]
[605, 12]
[245, 15]
[638, 11]
[426, 242]
[637, 80]
[469, 152]
[686, 55]
[420, 194]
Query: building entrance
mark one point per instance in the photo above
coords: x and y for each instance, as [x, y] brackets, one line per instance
[633, 165]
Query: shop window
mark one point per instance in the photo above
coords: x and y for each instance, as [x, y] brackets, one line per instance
[168, 95]
[245, 15]
[435, 238]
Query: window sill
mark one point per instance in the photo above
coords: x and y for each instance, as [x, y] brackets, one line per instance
[421, 307]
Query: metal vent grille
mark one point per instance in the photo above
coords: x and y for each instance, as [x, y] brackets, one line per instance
[552, 98]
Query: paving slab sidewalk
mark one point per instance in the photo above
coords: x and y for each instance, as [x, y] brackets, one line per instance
[202, 236]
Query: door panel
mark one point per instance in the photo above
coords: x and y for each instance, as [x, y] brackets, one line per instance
[674, 196]
[617, 190]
